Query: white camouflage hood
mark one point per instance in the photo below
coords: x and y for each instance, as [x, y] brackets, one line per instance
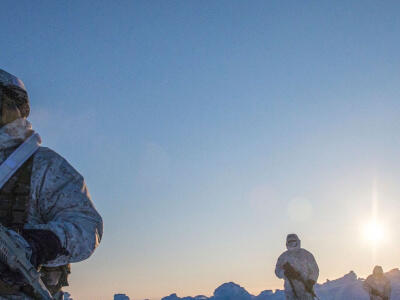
[14, 133]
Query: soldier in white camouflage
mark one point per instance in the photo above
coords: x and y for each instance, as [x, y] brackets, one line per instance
[377, 285]
[299, 269]
[45, 204]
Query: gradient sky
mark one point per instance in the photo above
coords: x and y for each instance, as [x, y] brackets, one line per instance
[208, 130]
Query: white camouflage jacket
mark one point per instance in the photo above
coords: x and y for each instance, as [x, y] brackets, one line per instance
[59, 200]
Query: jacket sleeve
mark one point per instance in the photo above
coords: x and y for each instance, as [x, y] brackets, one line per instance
[279, 272]
[388, 288]
[313, 268]
[366, 285]
[63, 205]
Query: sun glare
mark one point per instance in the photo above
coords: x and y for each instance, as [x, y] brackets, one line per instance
[374, 232]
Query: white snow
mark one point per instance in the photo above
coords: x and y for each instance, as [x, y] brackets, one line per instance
[121, 297]
[348, 287]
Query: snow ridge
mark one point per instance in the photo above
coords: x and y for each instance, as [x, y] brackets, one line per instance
[348, 287]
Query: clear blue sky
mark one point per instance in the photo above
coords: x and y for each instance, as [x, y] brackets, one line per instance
[208, 130]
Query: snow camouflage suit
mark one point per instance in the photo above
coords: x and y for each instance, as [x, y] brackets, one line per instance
[377, 285]
[303, 262]
[58, 201]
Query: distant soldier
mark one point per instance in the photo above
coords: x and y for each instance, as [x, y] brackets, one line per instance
[299, 269]
[378, 285]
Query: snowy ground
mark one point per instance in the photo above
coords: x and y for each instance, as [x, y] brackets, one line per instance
[348, 287]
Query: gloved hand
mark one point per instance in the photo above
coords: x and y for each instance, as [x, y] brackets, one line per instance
[45, 245]
[289, 271]
[310, 284]
[41, 246]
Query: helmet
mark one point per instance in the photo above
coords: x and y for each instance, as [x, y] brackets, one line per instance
[14, 99]
[377, 271]
[7, 79]
[292, 241]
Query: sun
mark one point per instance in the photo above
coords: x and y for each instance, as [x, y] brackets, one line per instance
[374, 232]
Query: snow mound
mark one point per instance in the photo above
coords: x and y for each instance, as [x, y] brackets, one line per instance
[348, 287]
[121, 297]
[231, 291]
